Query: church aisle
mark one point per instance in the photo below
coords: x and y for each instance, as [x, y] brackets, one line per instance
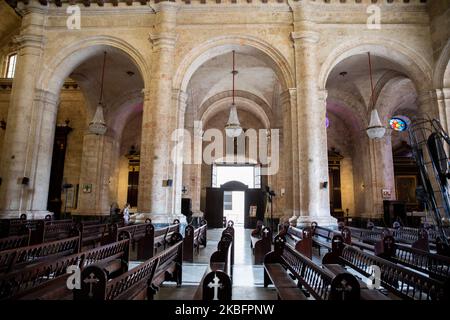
[247, 278]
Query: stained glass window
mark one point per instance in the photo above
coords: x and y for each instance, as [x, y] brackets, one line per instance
[398, 124]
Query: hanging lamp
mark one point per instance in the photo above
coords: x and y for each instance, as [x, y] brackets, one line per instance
[98, 125]
[375, 130]
[233, 127]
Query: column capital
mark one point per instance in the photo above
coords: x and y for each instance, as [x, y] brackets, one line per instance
[29, 41]
[166, 6]
[287, 95]
[322, 95]
[442, 94]
[146, 94]
[163, 40]
[33, 6]
[305, 37]
[180, 98]
[46, 97]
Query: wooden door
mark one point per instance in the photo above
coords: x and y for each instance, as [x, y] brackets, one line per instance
[214, 207]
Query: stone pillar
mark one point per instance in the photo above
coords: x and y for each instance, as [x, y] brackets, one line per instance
[28, 141]
[157, 125]
[428, 104]
[179, 100]
[443, 101]
[312, 135]
[383, 178]
[97, 166]
[290, 154]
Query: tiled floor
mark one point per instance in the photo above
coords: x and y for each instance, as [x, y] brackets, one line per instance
[247, 278]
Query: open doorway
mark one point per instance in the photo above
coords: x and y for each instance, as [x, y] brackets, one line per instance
[234, 206]
[235, 194]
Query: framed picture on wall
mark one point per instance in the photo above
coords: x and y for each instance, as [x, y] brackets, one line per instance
[406, 189]
[70, 197]
[252, 212]
[87, 187]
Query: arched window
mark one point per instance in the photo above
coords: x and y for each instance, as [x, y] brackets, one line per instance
[11, 65]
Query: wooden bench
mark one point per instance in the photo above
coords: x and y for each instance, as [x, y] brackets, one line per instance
[260, 242]
[193, 238]
[321, 284]
[402, 282]
[14, 242]
[47, 280]
[217, 281]
[140, 283]
[15, 259]
[170, 264]
[300, 239]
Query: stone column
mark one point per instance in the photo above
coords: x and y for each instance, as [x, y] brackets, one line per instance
[157, 127]
[290, 154]
[28, 141]
[383, 178]
[179, 100]
[428, 104]
[443, 101]
[97, 166]
[312, 135]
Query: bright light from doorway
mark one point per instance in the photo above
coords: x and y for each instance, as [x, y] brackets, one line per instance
[233, 206]
[244, 174]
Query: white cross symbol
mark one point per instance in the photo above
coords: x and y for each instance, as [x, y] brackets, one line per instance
[266, 231]
[345, 288]
[216, 285]
[91, 280]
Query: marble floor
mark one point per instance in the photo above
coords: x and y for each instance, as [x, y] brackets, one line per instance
[247, 278]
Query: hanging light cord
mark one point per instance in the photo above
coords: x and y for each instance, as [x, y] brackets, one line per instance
[234, 73]
[103, 76]
[371, 81]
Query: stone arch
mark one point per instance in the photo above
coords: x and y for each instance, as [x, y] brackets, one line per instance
[441, 77]
[215, 46]
[252, 103]
[68, 58]
[415, 66]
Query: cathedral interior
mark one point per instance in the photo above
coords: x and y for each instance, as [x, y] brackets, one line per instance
[224, 150]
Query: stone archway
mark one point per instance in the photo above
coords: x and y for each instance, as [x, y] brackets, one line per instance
[39, 140]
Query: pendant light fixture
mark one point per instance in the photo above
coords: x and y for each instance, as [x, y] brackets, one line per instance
[233, 127]
[98, 125]
[375, 130]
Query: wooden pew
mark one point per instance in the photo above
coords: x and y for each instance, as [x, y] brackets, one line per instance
[217, 281]
[92, 234]
[193, 238]
[14, 242]
[401, 281]
[261, 243]
[47, 280]
[170, 264]
[435, 265]
[316, 281]
[14, 259]
[132, 285]
[300, 239]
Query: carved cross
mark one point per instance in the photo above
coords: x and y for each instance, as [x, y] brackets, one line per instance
[345, 288]
[216, 285]
[91, 280]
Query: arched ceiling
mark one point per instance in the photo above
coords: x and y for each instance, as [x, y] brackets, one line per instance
[255, 76]
[123, 83]
[393, 90]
